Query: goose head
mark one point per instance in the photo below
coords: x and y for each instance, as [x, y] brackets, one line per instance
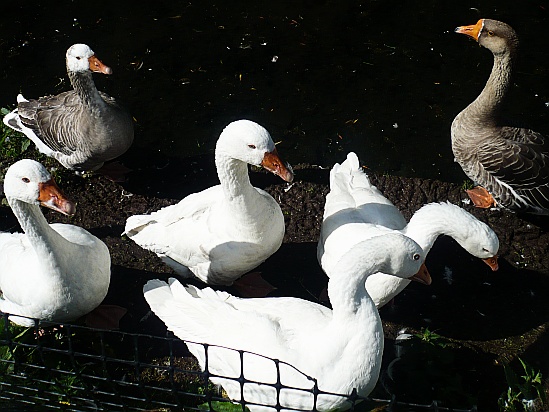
[81, 58]
[481, 241]
[251, 143]
[474, 236]
[496, 36]
[29, 182]
[404, 259]
[390, 253]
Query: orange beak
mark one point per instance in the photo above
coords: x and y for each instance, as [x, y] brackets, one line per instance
[472, 30]
[422, 276]
[52, 197]
[273, 164]
[97, 66]
[492, 262]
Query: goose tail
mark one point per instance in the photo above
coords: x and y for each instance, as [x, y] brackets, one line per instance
[349, 176]
[135, 224]
[13, 121]
[187, 310]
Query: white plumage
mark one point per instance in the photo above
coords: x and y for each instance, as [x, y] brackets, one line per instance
[340, 348]
[356, 210]
[54, 272]
[223, 232]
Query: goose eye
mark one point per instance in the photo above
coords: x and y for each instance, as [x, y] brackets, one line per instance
[490, 33]
[251, 146]
[25, 179]
[78, 57]
[484, 249]
[416, 256]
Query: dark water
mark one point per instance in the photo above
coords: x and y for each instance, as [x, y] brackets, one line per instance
[382, 78]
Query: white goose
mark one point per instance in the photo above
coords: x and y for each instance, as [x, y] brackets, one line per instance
[81, 128]
[223, 232]
[340, 348]
[354, 204]
[54, 272]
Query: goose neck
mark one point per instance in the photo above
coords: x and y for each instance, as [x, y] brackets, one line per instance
[431, 221]
[234, 178]
[488, 103]
[356, 320]
[347, 292]
[84, 86]
[39, 233]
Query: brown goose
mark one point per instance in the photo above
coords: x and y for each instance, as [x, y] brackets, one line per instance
[81, 128]
[510, 164]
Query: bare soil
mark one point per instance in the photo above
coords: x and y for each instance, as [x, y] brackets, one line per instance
[491, 317]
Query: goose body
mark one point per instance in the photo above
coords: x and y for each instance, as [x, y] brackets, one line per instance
[340, 348]
[510, 164]
[54, 272]
[81, 128]
[356, 210]
[223, 232]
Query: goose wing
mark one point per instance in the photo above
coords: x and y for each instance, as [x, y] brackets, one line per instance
[56, 120]
[521, 162]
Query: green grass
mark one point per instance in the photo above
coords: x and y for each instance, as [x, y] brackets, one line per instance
[432, 338]
[19, 349]
[12, 144]
[15, 146]
[222, 407]
[467, 185]
[9, 354]
[525, 392]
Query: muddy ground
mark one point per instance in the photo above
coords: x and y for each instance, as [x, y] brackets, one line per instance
[491, 317]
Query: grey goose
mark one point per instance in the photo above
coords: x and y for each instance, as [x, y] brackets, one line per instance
[81, 128]
[510, 164]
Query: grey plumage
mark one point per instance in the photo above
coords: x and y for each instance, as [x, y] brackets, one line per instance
[511, 163]
[81, 128]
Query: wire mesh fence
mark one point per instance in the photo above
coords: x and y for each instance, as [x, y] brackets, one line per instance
[76, 368]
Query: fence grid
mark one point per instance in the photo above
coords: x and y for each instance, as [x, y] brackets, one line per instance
[76, 368]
